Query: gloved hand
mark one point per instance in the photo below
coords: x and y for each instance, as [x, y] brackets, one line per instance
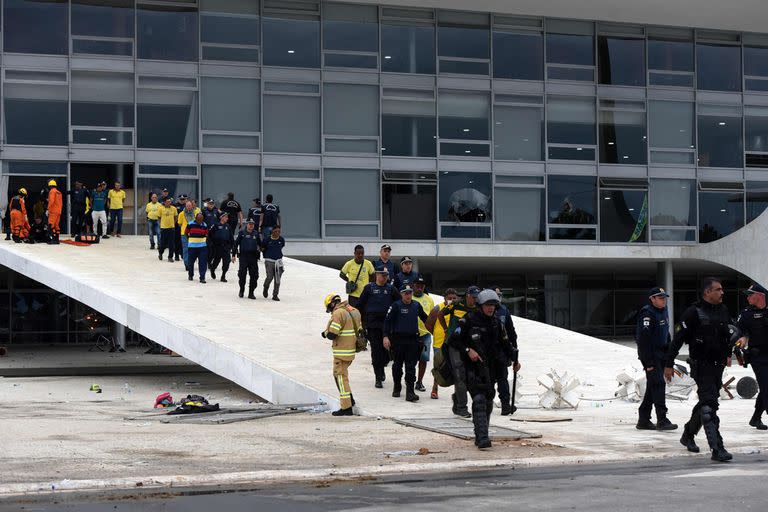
[323, 334]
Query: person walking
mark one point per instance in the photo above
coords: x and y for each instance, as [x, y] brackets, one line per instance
[454, 313]
[210, 212]
[341, 331]
[234, 210]
[270, 216]
[247, 247]
[181, 204]
[153, 220]
[425, 338]
[502, 375]
[187, 216]
[55, 205]
[99, 199]
[78, 201]
[406, 276]
[197, 246]
[356, 272]
[19, 225]
[167, 215]
[401, 336]
[373, 305]
[384, 261]
[254, 212]
[753, 328]
[272, 246]
[437, 324]
[116, 202]
[221, 242]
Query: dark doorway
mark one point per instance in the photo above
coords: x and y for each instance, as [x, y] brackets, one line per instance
[91, 174]
[37, 196]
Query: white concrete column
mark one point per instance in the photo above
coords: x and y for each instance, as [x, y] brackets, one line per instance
[666, 276]
[118, 331]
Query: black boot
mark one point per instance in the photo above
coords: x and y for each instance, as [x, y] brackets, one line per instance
[756, 421]
[265, 293]
[343, 412]
[720, 454]
[506, 407]
[688, 441]
[410, 395]
[480, 420]
[250, 294]
[665, 424]
[242, 291]
[223, 278]
[378, 384]
[464, 413]
[396, 389]
[213, 274]
[645, 424]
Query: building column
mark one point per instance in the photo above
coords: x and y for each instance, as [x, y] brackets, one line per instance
[118, 330]
[666, 275]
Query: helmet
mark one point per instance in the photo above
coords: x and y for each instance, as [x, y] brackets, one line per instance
[52, 183]
[23, 191]
[488, 297]
[330, 299]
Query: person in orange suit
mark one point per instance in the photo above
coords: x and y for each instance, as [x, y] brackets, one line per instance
[54, 211]
[19, 221]
[7, 220]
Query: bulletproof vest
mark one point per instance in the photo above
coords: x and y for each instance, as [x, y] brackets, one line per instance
[250, 242]
[380, 299]
[712, 335]
[220, 234]
[487, 336]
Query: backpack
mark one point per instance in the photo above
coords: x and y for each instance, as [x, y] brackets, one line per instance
[87, 238]
[194, 404]
[163, 400]
[442, 370]
[361, 342]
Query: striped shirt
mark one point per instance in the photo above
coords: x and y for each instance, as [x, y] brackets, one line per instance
[197, 234]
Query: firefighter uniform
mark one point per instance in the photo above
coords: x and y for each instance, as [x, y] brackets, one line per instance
[342, 327]
[54, 210]
[19, 221]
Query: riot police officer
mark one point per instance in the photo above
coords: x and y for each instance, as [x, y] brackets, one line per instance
[374, 303]
[401, 336]
[486, 349]
[753, 327]
[705, 327]
[247, 245]
[652, 336]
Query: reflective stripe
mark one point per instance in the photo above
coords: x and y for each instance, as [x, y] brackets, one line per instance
[340, 381]
[347, 333]
[336, 326]
[338, 351]
[345, 395]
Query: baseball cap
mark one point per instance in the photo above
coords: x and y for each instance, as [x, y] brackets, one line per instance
[382, 270]
[405, 259]
[250, 221]
[420, 280]
[474, 291]
[225, 214]
[755, 288]
[386, 246]
[658, 292]
[406, 289]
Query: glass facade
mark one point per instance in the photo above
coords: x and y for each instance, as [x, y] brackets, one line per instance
[300, 98]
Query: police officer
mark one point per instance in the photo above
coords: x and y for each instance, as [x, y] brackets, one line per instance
[456, 312]
[705, 327]
[374, 303]
[384, 261]
[486, 349]
[753, 327]
[401, 336]
[652, 337]
[406, 276]
[247, 246]
[502, 377]
[221, 242]
[211, 214]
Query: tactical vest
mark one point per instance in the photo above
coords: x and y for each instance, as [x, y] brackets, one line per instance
[712, 336]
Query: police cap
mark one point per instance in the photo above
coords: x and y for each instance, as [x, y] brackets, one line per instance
[756, 288]
[406, 289]
[658, 292]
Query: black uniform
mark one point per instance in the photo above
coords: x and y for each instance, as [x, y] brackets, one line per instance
[485, 335]
[254, 214]
[247, 246]
[233, 209]
[373, 305]
[753, 324]
[502, 377]
[652, 337]
[211, 215]
[704, 327]
[401, 326]
[221, 242]
[78, 199]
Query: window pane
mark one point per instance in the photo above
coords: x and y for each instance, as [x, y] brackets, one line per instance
[718, 67]
[230, 104]
[351, 109]
[570, 49]
[361, 202]
[91, 18]
[465, 231]
[572, 233]
[622, 137]
[167, 32]
[572, 199]
[351, 146]
[408, 211]
[464, 149]
[167, 119]
[757, 199]
[755, 61]
[623, 216]
[350, 27]
[102, 99]
[519, 214]
[720, 140]
[226, 22]
[291, 124]
[756, 126]
[670, 55]
[673, 235]
[352, 230]
[579, 153]
[407, 49]
[35, 114]
[673, 203]
[570, 120]
[299, 207]
[463, 115]
[720, 214]
[465, 197]
[408, 128]
[176, 187]
[35, 26]
[518, 56]
[518, 133]
[123, 48]
[218, 180]
[291, 42]
[467, 41]
[671, 124]
[622, 61]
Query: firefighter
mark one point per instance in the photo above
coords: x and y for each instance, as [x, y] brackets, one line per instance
[19, 221]
[8, 220]
[341, 332]
[54, 211]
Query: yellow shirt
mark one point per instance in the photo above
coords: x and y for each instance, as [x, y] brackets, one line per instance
[116, 199]
[168, 217]
[427, 304]
[153, 210]
[351, 269]
[183, 219]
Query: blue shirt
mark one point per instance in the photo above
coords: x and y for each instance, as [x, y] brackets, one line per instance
[390, 266]
[652, 334]
[273, 249]
[401, 279]
[403, 319]
[247, 243]
[375, 302]
[99, 200]
[270, 212]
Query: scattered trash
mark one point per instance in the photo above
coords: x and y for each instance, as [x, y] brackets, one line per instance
[401, 453]
[560, 391]
[96, 388]
[164, 400]
[139, 484]
[632, 383]
[194, 404]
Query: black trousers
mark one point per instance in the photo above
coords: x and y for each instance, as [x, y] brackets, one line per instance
[379, 355]
[177, 249]
[405, 352]
[459, 379]
[760, 367]
[480, 379]
[167, 241]
[709, 380]
[221, 254]
[502, 384]
[655, 390]
[78, 217]
[249, 266]
[353, 301]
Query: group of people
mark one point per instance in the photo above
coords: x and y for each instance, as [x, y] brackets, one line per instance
[472, 338]
[212, 236]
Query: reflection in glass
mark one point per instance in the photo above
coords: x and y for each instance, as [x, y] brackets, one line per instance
[518, 56]
[755, 61]
[167, 119]
[167, 32]
[229, 31]
[464, 115]
[673, 202]
[570, 120]
[718, 67]
[720, 136]
[518, 132]
[572, 200]
[407, 48]
[299, 207]
[670, 62]
[291, 42]
[623, 216]
[671, 124]
[465, 197]
[408, 128]
[291, 124]
[622, 137]
[756, 128]
[102, 100]
[720, 214]
[35, 114]
[570, 49]
[36, 26]
[218, 180]
[102, 22]
[621, 61]
[757, 199]
[519, 214]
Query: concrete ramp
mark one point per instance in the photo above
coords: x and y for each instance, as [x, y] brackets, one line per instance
[273, 349]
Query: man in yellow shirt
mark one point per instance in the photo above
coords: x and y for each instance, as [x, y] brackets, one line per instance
[186, 216]
[425, 338]
[167, 215]
[357, 272]
[115, 200]
[437, 324]
[153, 221]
